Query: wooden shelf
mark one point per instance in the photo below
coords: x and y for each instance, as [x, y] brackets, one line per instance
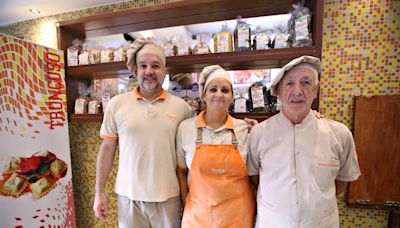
[86, 117]
[99, 71]
[259, 116]
[243, 60]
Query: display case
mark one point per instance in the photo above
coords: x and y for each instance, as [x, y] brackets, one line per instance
[184, 13]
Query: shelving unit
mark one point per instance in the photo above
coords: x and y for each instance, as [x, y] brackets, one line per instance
[259, 116]
[183, 13]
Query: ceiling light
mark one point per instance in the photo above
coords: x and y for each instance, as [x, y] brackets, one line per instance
[35, 11]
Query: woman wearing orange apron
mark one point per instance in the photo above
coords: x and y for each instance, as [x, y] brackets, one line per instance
[212, 150]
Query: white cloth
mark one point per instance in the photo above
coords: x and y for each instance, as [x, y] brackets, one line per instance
[187, 134]
[146, 135]
[298, 166]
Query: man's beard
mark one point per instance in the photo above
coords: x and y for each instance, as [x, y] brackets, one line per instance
[150, 87]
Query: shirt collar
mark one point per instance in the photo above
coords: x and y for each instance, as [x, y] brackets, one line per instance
[138, 96]
[200, 123]
[305, 121]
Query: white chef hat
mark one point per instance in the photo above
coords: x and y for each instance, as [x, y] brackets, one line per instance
[141, 47]
[210, 73]
[310, 62]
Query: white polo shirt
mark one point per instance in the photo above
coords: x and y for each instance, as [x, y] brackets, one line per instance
[146, 135]
[187, 135]
[298, 166]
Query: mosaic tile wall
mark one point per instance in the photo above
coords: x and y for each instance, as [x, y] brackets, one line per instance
[360, 57]
[360, 54]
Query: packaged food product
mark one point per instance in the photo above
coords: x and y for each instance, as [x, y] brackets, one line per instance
[73, 52]
[81, 106]
[202, 46]
[84, 58]
[261, 40]
[223, 40]
[120, 54]
[182, 45]
[281, 41]
[169, 47]
[242, 35]
[94, 106]
[257, 94]
[72, 56]
[107, 55]
[94, 56]
[300, 26]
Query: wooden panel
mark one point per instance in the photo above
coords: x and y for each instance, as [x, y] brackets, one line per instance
[377, 137]
[174, 14]
[86, 117]
[259, 116]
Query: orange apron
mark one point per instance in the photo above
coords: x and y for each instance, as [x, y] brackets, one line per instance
[219, 190]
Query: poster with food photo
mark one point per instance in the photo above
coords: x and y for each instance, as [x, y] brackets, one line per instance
[35, 163]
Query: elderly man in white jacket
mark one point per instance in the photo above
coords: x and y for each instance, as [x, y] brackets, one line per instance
[299, 162]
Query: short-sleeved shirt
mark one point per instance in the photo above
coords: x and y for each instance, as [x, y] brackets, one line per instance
[145, 131]
[298, 166]
[187, 135]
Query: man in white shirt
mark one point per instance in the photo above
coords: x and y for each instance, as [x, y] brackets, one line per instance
[143, 123]
[299, 162]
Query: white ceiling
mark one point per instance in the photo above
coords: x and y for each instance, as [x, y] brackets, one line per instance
[12, 11]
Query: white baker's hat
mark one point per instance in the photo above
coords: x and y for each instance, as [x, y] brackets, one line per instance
[311, 62]
[141, 47]
[210, 73]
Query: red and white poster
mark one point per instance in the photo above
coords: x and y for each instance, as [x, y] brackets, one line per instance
[35, 162]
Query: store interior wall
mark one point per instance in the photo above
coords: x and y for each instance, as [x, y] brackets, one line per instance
[359, 56]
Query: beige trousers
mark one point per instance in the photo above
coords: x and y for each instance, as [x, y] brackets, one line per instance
[140, 214]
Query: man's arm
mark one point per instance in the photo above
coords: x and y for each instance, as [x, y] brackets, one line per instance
[105, 160]
[340, 186]
[255, 180]
[182, 177]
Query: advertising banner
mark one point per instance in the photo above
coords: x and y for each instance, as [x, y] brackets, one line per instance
[35, 163]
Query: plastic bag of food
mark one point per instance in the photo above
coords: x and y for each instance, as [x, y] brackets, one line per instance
[73, 52]
[300, 26]
[169, 47]
[202, 47]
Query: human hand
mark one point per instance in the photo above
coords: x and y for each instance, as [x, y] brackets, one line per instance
[250, 123]
[318, 115]
[101, 206]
